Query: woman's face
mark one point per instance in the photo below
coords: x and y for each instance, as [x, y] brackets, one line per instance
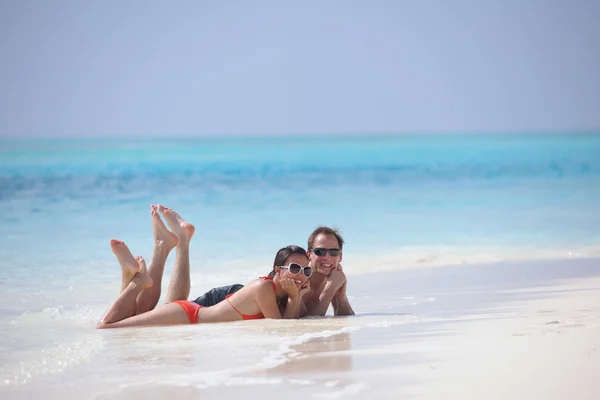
[300, 278]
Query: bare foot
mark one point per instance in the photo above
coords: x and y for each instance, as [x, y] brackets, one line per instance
[183, 230]
[142, 278]
[162, 237]
[129, 265]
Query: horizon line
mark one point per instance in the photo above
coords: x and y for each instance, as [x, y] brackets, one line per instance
[307, 134]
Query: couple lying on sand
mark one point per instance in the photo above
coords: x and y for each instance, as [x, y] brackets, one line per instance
[287, 292]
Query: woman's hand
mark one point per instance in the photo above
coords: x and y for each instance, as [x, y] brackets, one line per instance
[305, 289]
[289, 287]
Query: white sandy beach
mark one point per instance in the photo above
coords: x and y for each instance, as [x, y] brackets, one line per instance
[537, 342]
[496, 331]
[543, 348]
[455, 145]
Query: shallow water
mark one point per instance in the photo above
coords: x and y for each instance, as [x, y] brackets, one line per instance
[402, 202]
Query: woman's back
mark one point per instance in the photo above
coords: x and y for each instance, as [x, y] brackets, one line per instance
[241, 305]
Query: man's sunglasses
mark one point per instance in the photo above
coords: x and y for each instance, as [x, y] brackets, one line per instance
[321, 252]
[297, 268]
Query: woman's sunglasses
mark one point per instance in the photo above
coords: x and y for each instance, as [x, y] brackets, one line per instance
[321, 251]
[297, 268]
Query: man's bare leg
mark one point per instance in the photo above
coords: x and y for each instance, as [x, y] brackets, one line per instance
[179, 286]
[125, 305]
[164, 242]
[129, 265]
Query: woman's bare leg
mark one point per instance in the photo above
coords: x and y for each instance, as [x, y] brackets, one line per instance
[164, 242]
[179, 286]
[129, 265]
[125, 305]
[168, 314]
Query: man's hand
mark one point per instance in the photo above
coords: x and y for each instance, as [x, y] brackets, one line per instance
[336, 279]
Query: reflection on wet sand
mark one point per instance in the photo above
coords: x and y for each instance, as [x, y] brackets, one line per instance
[323, 354]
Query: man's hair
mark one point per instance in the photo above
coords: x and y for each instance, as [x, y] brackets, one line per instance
[325, 230]
[283, 254]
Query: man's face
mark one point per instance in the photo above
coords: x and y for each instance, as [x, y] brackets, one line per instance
[324, 263]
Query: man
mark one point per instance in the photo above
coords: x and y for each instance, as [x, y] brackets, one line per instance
[328, 282]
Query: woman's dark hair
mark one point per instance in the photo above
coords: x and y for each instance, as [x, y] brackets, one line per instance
[283, 255]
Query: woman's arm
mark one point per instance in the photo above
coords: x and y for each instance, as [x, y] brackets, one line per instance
[303, 310]
[292, 308]
[266, 301]
[295, 307]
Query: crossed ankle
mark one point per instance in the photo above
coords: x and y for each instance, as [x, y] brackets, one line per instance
[162, 245]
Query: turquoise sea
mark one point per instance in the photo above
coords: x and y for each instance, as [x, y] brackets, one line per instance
[402, 202]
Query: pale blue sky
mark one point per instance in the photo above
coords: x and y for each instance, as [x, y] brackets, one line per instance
[139, 68]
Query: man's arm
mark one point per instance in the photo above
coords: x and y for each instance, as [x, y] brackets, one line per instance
[340, 303]
[320, 305]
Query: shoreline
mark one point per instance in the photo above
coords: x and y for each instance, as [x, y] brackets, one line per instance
[544, 347]
[438, 256]
[417, 333]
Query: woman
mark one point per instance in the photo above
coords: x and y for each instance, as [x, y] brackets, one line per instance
[277, 296]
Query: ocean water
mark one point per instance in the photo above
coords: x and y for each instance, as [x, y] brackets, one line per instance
[402, 202]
